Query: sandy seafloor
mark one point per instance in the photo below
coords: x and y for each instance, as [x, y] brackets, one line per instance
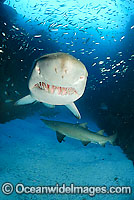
[30, 154]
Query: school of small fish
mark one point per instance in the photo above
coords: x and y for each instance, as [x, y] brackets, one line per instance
[81, 29]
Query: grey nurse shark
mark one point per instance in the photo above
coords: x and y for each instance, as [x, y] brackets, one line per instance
[56, 79]
[79, 132]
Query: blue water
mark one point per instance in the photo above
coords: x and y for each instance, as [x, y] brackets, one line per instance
[101, 35]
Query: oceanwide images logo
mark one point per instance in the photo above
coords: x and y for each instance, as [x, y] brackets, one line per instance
[8, 188]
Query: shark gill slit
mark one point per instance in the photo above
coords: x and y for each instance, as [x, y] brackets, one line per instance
[52, 88]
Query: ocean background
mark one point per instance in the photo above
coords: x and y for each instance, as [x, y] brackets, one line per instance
[101, 35]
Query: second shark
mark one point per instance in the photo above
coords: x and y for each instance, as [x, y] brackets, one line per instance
[79, 132]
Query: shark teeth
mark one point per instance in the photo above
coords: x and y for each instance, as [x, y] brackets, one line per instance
[52, 89]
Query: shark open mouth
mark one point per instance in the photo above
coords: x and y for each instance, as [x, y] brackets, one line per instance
[52, 89]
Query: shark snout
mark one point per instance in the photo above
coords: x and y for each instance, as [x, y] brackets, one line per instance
[45, 121]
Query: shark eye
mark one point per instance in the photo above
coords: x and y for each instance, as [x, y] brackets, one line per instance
[37, 69]
[81, 77]
[55, 69]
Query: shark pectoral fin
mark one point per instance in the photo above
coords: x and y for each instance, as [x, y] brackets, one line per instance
[72, 107]
[101, 132]
[85, 143]
[60, 136]
[48, 105]
[102, 144]
[25, 100]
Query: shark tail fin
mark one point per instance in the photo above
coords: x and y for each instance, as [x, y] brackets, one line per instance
[112, 138]
[25, 100]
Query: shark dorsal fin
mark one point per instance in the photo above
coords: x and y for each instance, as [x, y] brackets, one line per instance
[84, 125]
[101, 132]
[60, 136]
